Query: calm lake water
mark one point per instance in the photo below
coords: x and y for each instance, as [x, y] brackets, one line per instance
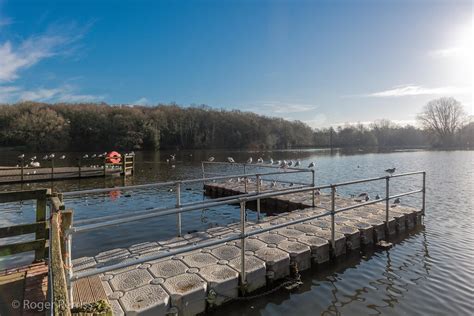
[429, 273]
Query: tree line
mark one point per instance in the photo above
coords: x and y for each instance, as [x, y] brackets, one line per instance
[98, 126]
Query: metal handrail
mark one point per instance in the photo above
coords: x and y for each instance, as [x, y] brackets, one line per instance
[243, 234]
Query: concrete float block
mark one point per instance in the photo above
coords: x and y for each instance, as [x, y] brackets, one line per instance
[255, 271]
[366, 232]
[116, 308]
[289, 232]
[220, 231]
[130, 280]
[199, 259]
[321, 223]
[197, 237]
[392, 222]
[113, 255]
[352, 235]
[307, 228]
[300, 253]
[145, 248]
[187, 293]
[83, 263]
[400, 221]
[226, 252]
[339, 240]
[174, 243]
[167, 268]
[277, 261]
[379, 227]
[410, 215]
[271, 237]
[251, 244]
[223, 280]
[319, 247]
[148, 300]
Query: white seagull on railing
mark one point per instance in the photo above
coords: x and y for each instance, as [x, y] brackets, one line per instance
[260, 160]
[297, 163]
[311, 165]
[249, 160]
[390, 171]
[230, 159]
[211, 159]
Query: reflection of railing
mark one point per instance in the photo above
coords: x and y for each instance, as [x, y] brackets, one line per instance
[242, 200]
[38, 228]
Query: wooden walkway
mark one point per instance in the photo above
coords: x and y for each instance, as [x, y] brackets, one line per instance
[190, 283]
[23, 290]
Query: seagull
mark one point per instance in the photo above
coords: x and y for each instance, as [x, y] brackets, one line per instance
[273, 184]
[93, 156]
[271, 161]
[278, 162]
[21, 156]
[390, 171]
[230, 159]
[311, 165]
[33, 158]
[284, 164]
[211, 159]
[377, 197]
[367, 198]
[290, 163]
[396, 201]
[249, 160]
[62, 157]
[85, 156]
[52, 156]
[292, 184]
[45, 157]
[260, 160]
[297, 163]
[35, 164]
[363, 194]
[173, 156]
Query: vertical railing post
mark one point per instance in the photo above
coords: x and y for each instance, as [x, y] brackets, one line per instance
[124, 165]
[79, 166]
[243, 277]
[22, 166]
[66, 240]
[178, 204]
[424, 194]
[313, 183]
[245, 183]
[202, 169]
[387, 200]
[105, 165]
[52, 168]
[333, 214]
[258, 200]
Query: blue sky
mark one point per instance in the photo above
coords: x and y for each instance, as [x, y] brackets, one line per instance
[321, 62]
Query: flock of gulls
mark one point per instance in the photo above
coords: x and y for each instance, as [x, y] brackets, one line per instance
[33, 161]
[279, 163]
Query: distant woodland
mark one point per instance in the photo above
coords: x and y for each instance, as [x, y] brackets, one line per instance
[88, 127]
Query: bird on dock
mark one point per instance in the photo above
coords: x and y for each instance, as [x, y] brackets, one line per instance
[93, 156]
[52, 156]
[377, 197]
[396, 201]
[273, 184]
[284, 164]
[100, 156]
[35, 164]
[271, 161]
[363, 194]
[21, 156]
[173, 156]
[230, 159]
[85, 156]
[62, 157]
[297, 163]
[367, 197]
[211, 159]
[390, 171]
[249, 160]
[311, 164]
[290, 163]
[260, 160]
[45, 157]
[278, 162]
[33, 158]
[292, 184]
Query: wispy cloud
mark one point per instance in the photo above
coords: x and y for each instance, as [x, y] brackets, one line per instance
[141, 101]
[414, 90]
[277, 107]
[4, 21]
[65, 93]
[449, 52]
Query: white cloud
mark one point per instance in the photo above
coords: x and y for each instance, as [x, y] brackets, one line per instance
[318, 121]
[141, 101]
[65, 93]
[448, 52]
[413, 90]
[5, 21]
[277, 107]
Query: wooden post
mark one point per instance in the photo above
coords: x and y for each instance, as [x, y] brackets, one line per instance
[105, 165]
[41, 229]
[124, 165]
[52, 168]
[22, 165]
[79, 166]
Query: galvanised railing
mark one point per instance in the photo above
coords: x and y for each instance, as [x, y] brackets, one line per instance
[91, 224]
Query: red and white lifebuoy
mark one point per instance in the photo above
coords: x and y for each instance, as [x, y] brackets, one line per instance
[114, 157]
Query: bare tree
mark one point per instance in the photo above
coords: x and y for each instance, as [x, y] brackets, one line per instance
[444, 117]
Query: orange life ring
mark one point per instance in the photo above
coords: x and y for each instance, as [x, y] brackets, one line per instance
[114, 157]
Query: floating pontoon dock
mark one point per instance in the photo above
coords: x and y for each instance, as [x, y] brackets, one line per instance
[192, 272]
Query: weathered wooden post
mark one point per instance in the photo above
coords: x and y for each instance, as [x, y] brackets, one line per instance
[79, 166]
[178, 204]
[245, 183]
[124, 165]
[52, 168]
[22, 166]
[40, 233]
[105, 165]
[333, 214]
[66, 244]
[313, 183]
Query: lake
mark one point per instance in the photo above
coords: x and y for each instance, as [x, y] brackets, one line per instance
[429, 273]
